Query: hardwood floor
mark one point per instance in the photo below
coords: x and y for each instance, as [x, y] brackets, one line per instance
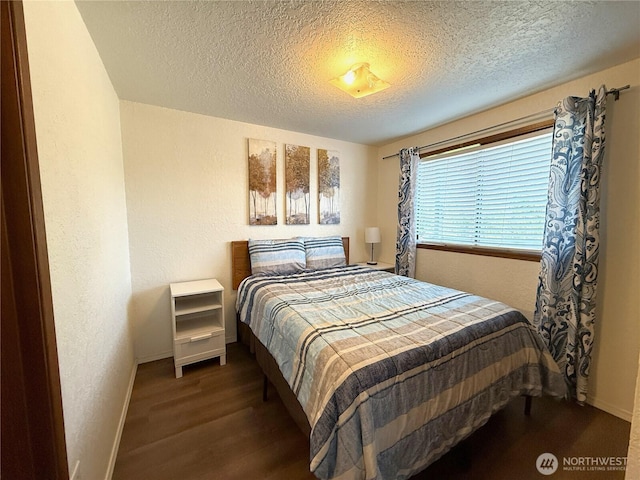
[213, 424]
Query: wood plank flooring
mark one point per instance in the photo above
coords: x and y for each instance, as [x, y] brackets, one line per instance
[212, 424]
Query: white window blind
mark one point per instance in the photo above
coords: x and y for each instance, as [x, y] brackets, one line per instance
[494, 196]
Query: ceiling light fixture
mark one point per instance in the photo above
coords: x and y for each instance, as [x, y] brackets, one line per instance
[359, 81]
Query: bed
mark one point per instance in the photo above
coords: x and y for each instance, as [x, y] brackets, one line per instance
[383, 372]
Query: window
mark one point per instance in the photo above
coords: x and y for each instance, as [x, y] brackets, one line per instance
[487, 196]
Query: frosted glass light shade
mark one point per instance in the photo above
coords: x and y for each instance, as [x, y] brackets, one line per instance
[359, 81]
[372, 235]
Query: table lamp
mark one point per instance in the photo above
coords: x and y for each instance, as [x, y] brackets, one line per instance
[372, 236]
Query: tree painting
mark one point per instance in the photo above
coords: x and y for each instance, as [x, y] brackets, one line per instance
[328, 187]
[297, 179]
[262, 182]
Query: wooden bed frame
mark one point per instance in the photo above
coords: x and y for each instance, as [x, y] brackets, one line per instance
[241, 262]
[241, 268]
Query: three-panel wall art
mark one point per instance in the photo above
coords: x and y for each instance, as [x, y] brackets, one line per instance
[263, 195]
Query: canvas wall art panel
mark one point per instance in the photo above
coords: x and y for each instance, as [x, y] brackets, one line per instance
[262, 182]
[297, 181]
[328, 187]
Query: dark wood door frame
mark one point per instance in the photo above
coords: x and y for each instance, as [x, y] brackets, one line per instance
[33, 440]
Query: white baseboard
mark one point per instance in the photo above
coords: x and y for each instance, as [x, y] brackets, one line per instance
[609, 408]
[153, 358]
[169, 353]
[123, 417]
[74, 474]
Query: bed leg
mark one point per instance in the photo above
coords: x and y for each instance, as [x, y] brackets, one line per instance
[527, 405]
[462, 455]
[265, 386]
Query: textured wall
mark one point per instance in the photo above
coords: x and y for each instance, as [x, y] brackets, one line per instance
[615, 359]
[617, 345]
[507, 280]
[80, 153]
[187, 199]
[633, 455]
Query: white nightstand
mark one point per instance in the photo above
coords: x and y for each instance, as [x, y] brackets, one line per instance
[197, 313]
[387, 267]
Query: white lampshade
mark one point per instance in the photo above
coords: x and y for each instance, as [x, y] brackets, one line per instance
[372, 235]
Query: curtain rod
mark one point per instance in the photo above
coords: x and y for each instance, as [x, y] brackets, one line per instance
[614, 91]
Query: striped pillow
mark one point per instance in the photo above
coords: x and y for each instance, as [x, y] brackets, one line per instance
[324, 252]
[277, 256]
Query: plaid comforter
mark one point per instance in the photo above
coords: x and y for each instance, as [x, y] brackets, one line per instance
[390, 371]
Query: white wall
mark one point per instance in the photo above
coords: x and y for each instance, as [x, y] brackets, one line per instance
[615, 358]
[633, 455]
[78, 134]
[187, 199]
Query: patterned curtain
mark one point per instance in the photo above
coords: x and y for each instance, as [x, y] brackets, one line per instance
[406, 241]
[565, 304]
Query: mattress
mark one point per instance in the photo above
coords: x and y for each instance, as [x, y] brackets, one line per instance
[392, 372]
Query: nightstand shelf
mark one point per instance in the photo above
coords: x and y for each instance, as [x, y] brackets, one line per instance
[197, 313]
[196, 304]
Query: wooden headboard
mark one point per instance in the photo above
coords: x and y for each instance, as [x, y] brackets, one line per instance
[241, 263]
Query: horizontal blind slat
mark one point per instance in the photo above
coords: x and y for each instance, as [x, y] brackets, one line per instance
[494, 196]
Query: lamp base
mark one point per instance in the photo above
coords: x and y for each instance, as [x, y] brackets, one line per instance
[372, 263]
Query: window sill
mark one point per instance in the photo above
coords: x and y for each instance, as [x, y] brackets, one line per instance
[526, 255]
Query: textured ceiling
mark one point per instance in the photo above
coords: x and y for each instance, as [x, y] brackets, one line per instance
[270, 62]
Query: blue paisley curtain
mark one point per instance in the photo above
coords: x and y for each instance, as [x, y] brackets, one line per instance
[406, 241]
[565, 304]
